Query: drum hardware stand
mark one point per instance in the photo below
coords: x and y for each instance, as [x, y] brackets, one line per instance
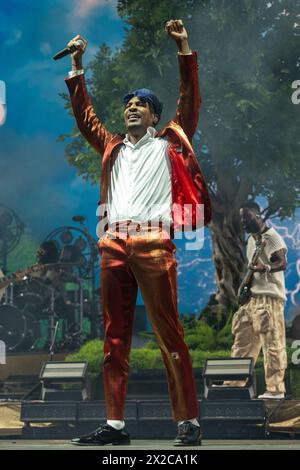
[9, 294]
[78, 316]
[94, 257]
[80, 305]
[53, 324]
[53, 332]
[52, 345]
[51, 355]
[6, 300]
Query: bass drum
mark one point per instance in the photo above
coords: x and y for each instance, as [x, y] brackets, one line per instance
[31, 292]
[18, 329]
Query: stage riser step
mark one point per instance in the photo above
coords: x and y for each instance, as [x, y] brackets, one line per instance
[154, 429]
[233, 410]
[144, 419]
[40, 412]
[251, 410]
[143, 429]
[231, 430]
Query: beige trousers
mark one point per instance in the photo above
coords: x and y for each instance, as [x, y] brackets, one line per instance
[257, 325]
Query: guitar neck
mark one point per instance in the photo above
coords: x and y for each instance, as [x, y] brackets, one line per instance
[247, 279]
[17, 276]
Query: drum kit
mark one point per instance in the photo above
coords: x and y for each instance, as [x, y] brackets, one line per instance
[54, 303]
[42, 305]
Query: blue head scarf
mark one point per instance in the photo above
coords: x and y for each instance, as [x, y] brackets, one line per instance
[146, 95]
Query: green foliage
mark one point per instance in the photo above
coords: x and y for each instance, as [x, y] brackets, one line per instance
[290, 351]
[144, 358]
[199, 357]
[224, 338]
[24, 255]
[248, 121]
[294, 375]
[92, 352]
[203, 337]
[152, 345]
[199, 335]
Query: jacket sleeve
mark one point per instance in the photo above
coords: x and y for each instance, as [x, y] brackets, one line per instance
[88, 123]
[188, 105]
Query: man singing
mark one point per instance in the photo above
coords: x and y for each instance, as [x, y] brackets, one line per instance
[144, 175]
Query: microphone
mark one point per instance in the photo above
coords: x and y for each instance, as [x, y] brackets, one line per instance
[68, 50]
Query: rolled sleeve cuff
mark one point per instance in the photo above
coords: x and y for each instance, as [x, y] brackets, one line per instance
[75, 73]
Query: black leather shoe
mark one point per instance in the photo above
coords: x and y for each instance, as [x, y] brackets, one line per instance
[103, 436]
[188, 435]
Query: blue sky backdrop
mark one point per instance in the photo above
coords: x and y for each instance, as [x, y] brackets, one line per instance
[36, 180]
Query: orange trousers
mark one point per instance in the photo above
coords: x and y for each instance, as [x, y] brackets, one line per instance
[148, 262]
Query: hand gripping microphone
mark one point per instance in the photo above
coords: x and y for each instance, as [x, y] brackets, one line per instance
[68, 50]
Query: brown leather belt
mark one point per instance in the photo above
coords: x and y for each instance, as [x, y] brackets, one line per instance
[131, 228]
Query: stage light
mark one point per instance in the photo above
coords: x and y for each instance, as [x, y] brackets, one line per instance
[217, 372]
[63, 381]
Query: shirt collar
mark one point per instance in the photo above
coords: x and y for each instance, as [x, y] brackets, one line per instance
[150, 134]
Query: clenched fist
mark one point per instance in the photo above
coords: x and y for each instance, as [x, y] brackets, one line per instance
[78, 44]
[177, 31]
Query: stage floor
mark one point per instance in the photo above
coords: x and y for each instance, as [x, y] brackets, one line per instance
[152, 445]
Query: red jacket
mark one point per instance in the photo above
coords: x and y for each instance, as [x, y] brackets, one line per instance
[187, 182]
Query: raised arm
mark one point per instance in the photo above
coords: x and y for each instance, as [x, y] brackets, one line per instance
[188, 105]
[88, 123]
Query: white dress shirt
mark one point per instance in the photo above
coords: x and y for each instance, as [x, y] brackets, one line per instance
[140, 182]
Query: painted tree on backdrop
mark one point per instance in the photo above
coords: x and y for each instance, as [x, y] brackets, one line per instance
[247, 142]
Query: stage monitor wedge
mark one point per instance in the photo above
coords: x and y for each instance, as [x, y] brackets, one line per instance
[229, 378]
[63, 381]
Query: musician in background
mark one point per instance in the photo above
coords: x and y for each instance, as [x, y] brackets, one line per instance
[48, 253]
[259, 324]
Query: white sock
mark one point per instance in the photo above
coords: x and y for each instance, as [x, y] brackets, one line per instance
[116, 424]
[194, 421]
